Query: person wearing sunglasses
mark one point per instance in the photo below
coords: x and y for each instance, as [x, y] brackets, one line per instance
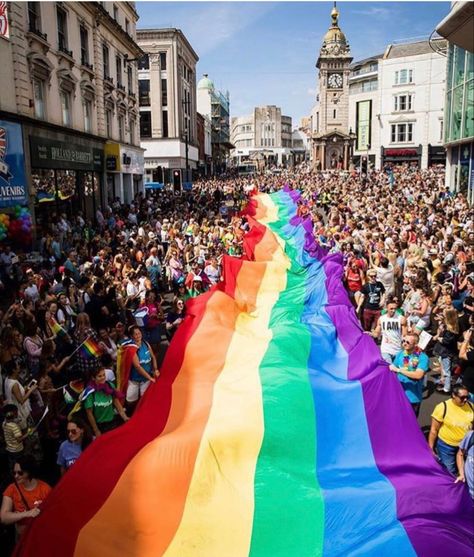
[450, 421]
[79, 437]
[22, 499]
[410, 365]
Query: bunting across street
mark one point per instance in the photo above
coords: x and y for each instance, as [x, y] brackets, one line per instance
[274, 430]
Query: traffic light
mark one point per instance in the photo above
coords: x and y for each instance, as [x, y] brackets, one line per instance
[177, 180]
[363, 165]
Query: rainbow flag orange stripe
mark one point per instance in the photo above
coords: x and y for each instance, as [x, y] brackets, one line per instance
[266, 434]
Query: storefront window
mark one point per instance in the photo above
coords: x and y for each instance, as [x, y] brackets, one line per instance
[459, 62]
[449, 69]
[456, 113]
[66, 184]
[44, 185]
[469, 65]
[469, 109]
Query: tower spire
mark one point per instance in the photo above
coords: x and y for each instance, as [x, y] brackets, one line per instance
[334, 15]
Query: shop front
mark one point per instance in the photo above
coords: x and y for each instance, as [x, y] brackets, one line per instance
[411, 157]
[66, 175]
[460, 168]
[132, 163]
[436, 155]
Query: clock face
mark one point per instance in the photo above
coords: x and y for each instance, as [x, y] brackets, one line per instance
[335, 81]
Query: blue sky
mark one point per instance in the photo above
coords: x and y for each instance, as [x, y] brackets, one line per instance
[265, 52]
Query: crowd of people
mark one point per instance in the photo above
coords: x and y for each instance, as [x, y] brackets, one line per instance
[407, 245]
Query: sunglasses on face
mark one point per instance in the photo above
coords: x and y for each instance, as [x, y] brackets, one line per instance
[18, 472]
[463, 398]
[404, 341]
[72, 431]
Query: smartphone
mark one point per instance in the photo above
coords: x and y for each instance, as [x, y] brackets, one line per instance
[32, 383]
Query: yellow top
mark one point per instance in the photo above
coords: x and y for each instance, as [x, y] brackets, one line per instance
[456, 422]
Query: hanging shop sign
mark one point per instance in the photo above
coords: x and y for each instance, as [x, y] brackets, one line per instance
[13, 188]
[50, 153]
[364, 115]
[133, 161]
[112, 157]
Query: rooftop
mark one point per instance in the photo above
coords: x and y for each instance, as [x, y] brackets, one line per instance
[412, 49]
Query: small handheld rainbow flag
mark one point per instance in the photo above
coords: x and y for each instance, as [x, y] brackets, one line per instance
[57, 329]
[90, 349]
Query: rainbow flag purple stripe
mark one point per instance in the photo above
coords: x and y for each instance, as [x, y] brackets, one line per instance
[374, 466]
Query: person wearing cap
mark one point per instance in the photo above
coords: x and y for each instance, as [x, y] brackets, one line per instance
[371, 300]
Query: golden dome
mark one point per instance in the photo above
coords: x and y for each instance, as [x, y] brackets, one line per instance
[334, 34]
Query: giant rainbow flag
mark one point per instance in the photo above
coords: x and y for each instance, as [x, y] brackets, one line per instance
[275, 430]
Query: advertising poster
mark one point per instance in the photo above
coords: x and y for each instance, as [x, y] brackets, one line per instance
[13, 186]
[363, 124]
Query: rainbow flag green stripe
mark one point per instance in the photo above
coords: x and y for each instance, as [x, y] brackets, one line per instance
[285, 474]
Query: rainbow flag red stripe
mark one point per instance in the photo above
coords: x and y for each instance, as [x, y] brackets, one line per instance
[90, 349]
[273, 430]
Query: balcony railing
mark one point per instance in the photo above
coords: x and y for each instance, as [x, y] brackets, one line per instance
[121, 87]
[38, 33]
[109, 80]
[132, 94]
[62, 48]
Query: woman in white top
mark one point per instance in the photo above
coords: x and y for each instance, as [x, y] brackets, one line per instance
[16, 394]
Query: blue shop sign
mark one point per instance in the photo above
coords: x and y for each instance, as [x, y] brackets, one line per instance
[13, 187]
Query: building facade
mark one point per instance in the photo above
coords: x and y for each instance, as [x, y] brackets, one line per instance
[459, 106]
[363, 107]
[215, 106]
[410, 117]
[331, 140]
[70, 86]
[167, 98]
[396, 105]
[264, 136]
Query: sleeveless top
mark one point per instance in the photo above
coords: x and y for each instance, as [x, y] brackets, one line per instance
[391, 334]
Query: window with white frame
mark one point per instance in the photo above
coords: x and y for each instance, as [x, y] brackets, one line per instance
[66, 107]
[87, 109]
[402, 103]
[402, 133]
[38, 95]
[403, 76]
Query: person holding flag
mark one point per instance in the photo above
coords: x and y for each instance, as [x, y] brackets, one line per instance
[88, 353]
[144, 367]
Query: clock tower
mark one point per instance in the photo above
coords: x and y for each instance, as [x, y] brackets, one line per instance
[331, 138]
